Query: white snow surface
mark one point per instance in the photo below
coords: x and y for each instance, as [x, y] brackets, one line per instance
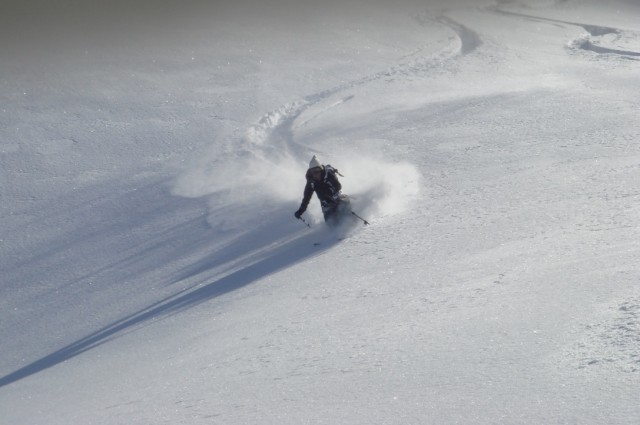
[152, 271]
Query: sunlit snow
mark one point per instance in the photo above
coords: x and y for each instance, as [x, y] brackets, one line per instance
[153, 154]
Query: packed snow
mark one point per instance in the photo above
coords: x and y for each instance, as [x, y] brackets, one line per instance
[152, 157]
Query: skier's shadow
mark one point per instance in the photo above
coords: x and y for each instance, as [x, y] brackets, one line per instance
[276, 253]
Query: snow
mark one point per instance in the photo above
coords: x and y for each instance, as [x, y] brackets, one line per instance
[152, 270]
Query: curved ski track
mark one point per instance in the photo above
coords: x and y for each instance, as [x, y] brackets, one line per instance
[583, 43]
[275, 128]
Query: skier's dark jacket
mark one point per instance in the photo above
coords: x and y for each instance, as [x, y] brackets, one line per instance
[327, 188]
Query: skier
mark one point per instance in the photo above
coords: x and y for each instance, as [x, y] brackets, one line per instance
[322, 180]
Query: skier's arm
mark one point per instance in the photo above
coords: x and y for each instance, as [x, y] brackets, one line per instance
[308, 192]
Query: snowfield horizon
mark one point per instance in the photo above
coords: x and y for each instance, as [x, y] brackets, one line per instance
[152, 158]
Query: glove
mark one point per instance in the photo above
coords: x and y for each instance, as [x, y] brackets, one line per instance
[298, 214]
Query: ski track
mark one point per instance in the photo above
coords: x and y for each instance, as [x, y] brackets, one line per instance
[469, 39]
[587, 42]
[276, 128]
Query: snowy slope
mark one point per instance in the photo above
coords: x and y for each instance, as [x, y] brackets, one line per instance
[152, 271]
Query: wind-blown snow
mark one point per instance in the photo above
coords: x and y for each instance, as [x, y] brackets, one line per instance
[152, 156]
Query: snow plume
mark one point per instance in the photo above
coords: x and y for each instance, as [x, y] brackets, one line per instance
[262, 175]
[242, 187]
[251, 177]
[379, 187]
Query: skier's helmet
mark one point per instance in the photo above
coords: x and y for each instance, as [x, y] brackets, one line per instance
[314, 163]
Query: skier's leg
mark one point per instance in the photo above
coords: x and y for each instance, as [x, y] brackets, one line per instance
[331, 218]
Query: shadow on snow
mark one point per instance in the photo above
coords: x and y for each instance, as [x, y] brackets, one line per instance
[255, 254]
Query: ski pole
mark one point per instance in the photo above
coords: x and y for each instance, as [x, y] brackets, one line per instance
[366, 223]
[305, 222]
